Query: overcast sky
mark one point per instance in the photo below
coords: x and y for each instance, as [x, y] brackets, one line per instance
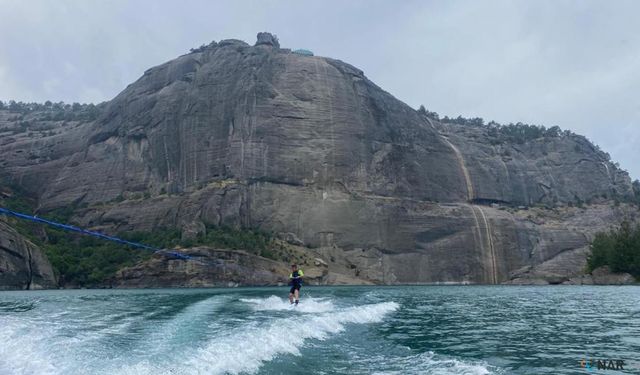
[575, 64]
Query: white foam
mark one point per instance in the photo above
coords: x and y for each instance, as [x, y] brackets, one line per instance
[430, 363]
[18, 346]
[172, 333]
[78, 342]
[247, 349]
[29, 346]
[274, 303]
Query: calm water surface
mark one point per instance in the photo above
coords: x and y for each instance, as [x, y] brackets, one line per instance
[335, 330]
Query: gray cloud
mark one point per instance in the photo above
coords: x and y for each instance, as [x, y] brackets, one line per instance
[575, 64]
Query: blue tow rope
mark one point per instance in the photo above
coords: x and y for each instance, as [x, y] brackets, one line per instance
[72, 228]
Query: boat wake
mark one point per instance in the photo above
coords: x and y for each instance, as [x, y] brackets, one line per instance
[274, 303]
[200, 339]
[246, 349]
[428, 363]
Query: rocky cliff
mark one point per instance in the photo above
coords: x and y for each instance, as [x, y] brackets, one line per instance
[22, 264]
[307, 146]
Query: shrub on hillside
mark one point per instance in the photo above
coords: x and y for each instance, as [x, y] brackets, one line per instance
[619, 249]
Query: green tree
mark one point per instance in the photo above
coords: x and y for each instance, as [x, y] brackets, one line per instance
[619, 249]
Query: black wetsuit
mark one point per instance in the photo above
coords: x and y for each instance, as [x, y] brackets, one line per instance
[295, 280]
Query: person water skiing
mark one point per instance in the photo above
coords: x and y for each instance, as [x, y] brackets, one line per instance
[295, 280]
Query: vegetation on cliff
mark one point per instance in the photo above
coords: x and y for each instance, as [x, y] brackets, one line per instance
[50, 111]
[619, 249]
[518, 133]
[86, 261]
[82, 260]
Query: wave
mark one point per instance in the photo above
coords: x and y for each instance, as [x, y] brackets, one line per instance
[18, 348]
[247, 349]
[17, 306]
[430, 363]
[184, 327]
[171, 347]
[274, 303]
[82, 341]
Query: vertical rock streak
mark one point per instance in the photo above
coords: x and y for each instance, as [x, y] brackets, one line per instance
[166, 158]
[492, 252]
[480, 240]
[463, 168]
[486, 245]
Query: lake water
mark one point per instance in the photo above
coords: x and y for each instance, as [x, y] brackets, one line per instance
[335, 330]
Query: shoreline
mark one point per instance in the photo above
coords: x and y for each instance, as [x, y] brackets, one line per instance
[222, 287]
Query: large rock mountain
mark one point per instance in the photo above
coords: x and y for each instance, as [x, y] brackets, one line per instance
[262, 137]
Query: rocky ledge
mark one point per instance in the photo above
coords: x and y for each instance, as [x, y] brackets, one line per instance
[208, 267]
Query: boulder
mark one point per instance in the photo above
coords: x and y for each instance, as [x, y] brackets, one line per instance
[318, 262]
[265, 38]
[604, 276]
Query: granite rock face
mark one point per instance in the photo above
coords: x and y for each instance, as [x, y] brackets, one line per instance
[548, 170]
[22, 264]
[307, 146]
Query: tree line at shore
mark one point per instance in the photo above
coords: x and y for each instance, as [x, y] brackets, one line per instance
[618, 248]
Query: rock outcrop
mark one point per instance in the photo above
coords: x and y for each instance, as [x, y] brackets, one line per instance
[601, 276]
[307, 146]
[218, 267]
[268, 39]
[22, 264]
[604, 276]
[209, 268]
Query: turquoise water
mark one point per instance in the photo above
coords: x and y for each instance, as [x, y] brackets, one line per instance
[335, 330]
